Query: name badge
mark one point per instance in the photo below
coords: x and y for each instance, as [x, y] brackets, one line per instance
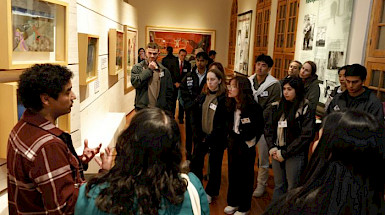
[282, 124]
[336, 108]
[245, 120]
[184, 70]
[213, 106]
[265, 93]
[161, 74]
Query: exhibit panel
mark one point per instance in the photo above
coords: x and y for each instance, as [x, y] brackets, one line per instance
[115, 51]
[88, 58]
[36, 32]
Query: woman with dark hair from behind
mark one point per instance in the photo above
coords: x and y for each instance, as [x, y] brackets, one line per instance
[289, 132]
[349, 178]
[245, 128]
[217, 65]
[146, 177]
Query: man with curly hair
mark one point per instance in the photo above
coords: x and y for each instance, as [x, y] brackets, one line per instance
[44, 171]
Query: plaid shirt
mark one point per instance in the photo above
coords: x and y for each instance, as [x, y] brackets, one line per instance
[44, 175]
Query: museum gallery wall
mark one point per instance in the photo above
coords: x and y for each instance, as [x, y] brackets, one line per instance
[323, 35]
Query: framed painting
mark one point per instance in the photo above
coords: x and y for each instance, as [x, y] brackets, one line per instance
[115, 51]
[88, 47]
[130, 55]
[36, 32]
[180, 38]
[242, 45]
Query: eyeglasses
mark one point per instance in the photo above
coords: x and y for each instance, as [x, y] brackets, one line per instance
[229, 87]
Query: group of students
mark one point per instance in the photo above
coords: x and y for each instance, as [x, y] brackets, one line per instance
[344, 175]
[277, 116]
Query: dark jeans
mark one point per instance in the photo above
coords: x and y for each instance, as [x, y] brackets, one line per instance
[189, 134]
[215, 160]
[241, 160]
[287, 174]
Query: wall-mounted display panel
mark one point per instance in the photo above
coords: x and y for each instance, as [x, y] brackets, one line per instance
[88, 58]
[243, 42]
[323, 29]
[34, 31]
[180, 38]
[9, 110]
[130, 55]
[115, 51]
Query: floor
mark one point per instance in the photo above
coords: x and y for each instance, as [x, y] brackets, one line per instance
[258, 205]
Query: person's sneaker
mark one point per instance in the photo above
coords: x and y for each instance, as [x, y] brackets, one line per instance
[241, 213]
[230, 209]
[209, 198]
[259, 191]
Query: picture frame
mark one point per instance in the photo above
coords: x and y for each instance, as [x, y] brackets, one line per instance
[181, 38]
[242, 46]
[115, 51]
[8, 113]
[130, 55]
[11, 111]
[88, 47]
[36, 31]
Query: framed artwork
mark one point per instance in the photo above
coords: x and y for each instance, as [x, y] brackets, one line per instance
[11, 111]
[243, 43]
[115, 51]
[130, 55]
[36, 33]
[180, 38]
[88, 58]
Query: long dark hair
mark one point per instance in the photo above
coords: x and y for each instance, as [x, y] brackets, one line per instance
[245, 94]
[146, 167]
[323, 149]
[289, 108]
[351, 180]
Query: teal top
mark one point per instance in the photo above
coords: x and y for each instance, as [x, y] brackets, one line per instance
[85, 205]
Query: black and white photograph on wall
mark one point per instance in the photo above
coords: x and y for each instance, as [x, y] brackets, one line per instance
[243, 42]
[329, 87]
[321, 68]
[308, 31]
[335, 59]
[320, 37]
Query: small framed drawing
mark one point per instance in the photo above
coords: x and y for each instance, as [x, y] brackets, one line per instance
[115, 51]
[130, 55]
[35, 31]
[88, 46]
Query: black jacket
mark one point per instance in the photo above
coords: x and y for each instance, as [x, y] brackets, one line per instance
[253, 123]
[366, 102]
[297, 137]
[177, 77]
[171, 63]
[140, 76]
[218, 136]
[190, 88]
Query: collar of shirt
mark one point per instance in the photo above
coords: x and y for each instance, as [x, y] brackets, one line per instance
[201, 76]
[39, 121]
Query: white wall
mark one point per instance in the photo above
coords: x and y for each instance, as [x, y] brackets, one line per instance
[359, 32]
[97, 99]
[197, 14]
